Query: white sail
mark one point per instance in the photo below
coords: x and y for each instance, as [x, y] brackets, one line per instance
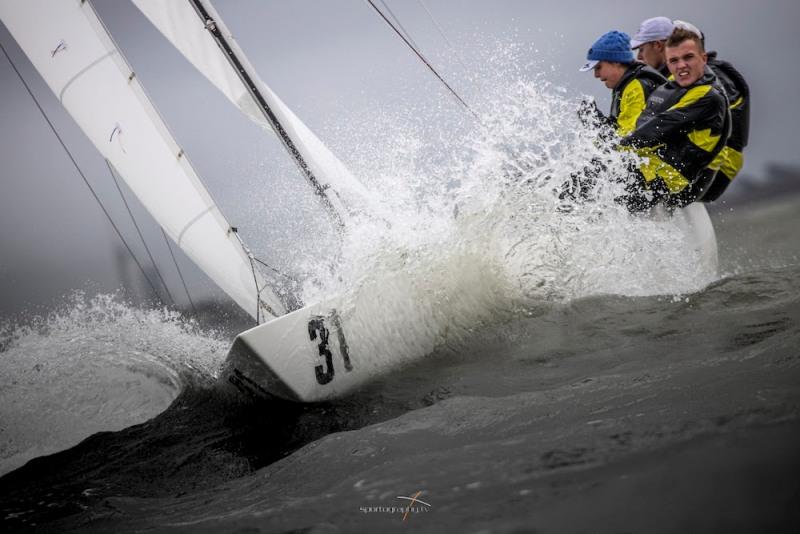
[71, 49]
[181, 23]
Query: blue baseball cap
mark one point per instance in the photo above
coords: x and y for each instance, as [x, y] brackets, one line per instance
[612, 46]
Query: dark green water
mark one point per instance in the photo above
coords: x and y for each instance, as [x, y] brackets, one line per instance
[656, 414]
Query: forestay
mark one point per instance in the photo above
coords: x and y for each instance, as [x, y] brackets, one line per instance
[186, 23]
[71, 49]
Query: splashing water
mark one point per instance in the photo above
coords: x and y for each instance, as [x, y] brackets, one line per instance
[99, 364]
[468, 229]
[472, 227]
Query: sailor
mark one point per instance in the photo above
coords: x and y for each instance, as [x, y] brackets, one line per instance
[730, 160]
[683, 128]
[612, 61]
[650, 42]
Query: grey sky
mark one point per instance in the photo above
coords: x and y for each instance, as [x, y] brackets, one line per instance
[329, 61]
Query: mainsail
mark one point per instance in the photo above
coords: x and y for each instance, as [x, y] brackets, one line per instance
[196, 29]
[71, 49]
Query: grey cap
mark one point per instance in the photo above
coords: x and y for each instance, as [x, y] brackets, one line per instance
[654, 29]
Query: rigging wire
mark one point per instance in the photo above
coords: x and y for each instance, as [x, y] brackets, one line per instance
[422, 58]
[486, 127]
[138, 230]
[177, 268]
[256, 272]
[452, 47]
[398, 23]
[80, 172]
[276, 270]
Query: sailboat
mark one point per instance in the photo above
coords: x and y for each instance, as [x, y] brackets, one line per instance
[315, 353]
[70, 47]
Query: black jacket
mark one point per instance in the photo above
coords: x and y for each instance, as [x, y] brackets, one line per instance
[629, 97]
[730, 160]
[680, 132]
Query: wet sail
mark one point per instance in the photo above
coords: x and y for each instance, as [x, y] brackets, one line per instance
[69, 46]
[196, 29]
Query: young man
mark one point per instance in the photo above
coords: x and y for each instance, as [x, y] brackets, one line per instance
[612, 61]
[730, 160]
[650, 41]
[683, 128]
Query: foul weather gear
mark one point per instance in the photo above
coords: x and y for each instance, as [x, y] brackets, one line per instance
[678, 135]
[730, 160]
[629, 98]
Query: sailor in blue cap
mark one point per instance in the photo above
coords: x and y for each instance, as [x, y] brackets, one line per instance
[611, 59]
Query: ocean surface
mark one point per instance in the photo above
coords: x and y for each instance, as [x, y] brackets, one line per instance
[590, 370]
[609, 412]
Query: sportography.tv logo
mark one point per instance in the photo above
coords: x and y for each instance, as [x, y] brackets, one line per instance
[413, 505]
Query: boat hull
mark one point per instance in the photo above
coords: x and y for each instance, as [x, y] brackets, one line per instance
[303, 356]
[326, 350]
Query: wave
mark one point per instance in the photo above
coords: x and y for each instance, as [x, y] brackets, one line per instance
[96, 364]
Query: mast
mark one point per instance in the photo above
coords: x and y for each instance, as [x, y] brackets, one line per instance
[196, 29]
[247, 79]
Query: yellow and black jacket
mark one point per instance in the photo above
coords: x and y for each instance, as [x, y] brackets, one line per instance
[629, 98]
[730, 160]
[678, 135]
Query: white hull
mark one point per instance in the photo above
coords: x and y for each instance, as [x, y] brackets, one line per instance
[698, 229]
[302, 356]
[695, 225]
[321, 352]
[326, 350]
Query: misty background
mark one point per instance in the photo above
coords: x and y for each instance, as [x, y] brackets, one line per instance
[335, 64]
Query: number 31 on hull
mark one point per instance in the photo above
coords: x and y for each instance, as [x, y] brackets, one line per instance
[302, 356]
